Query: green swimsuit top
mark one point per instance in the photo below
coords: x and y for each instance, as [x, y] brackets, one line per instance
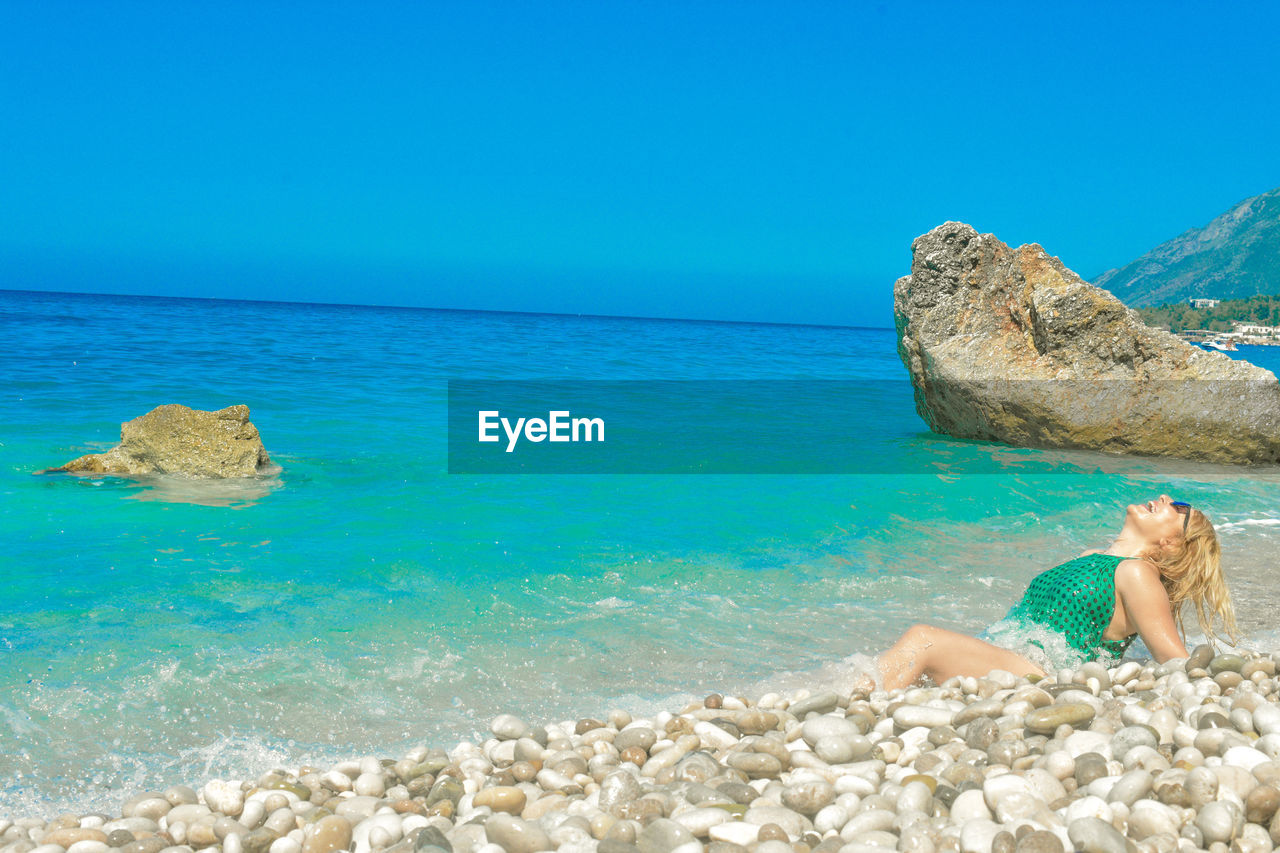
[1076, 599]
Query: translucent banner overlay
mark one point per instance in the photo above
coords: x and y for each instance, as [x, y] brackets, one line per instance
[825, 426]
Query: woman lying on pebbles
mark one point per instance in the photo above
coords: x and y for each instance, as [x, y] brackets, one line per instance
[1165, 556]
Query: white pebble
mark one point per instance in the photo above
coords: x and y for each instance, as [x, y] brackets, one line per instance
[369, 785]
[337, 780]
[1244, 756]
[89, 846]
[977, 834]
[1089, 806]
[970, 806]
[735, 832]
[224, 797]
[831, 818]
[700, 821]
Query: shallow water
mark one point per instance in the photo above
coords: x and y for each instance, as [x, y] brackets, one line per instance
[365, 600]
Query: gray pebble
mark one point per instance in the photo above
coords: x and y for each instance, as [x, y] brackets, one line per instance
[1047, 719]
[820, 703]
[981, 733]
[738, 792]
[1039, 841]
[662, 836]
[1200, 657]
[508, 727]
[1220, 820]
[1093, 835]
[1131, 736]
[1226, 663]
[610, 845]
[429, 837]
[517, 836]
[1202, 786]
[640, 736]
[1089, 766]
[808, 798]
[1131, 787]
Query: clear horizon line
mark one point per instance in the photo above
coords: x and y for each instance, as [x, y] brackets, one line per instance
[462, 310]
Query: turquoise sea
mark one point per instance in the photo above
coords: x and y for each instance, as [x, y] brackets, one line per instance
[366, 600]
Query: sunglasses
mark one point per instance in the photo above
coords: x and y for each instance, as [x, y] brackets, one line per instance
[1184, 508]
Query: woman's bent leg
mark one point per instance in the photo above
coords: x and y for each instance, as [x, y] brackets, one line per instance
[942, 654]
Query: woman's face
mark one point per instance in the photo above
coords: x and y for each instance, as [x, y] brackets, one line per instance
[1157, 519]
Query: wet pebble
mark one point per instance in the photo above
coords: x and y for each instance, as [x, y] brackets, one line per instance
[1046, 720]
[1166, 755]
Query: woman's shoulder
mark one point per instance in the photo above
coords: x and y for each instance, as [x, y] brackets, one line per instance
[1137, 574]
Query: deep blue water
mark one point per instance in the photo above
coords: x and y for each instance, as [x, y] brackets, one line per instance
[365, 600]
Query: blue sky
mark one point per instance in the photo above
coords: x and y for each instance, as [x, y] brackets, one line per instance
[738, 160]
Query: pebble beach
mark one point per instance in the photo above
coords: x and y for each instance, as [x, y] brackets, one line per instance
[1181, 756]
[365, 611]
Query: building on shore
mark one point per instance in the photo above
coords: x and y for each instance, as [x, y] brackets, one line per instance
[1241, 333]
[1252, 333]
[1195, 336]
[1198, 302]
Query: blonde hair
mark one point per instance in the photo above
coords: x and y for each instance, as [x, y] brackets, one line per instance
[1191, 571]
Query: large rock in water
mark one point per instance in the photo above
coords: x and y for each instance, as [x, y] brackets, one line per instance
[174, 439]
[1009, 345]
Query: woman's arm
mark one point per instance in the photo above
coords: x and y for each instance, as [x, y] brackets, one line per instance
[1147, 609]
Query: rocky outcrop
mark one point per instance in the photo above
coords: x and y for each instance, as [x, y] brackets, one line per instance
[174, 439]
[1009, 345]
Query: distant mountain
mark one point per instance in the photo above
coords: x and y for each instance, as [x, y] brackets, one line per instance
[1235, 256]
